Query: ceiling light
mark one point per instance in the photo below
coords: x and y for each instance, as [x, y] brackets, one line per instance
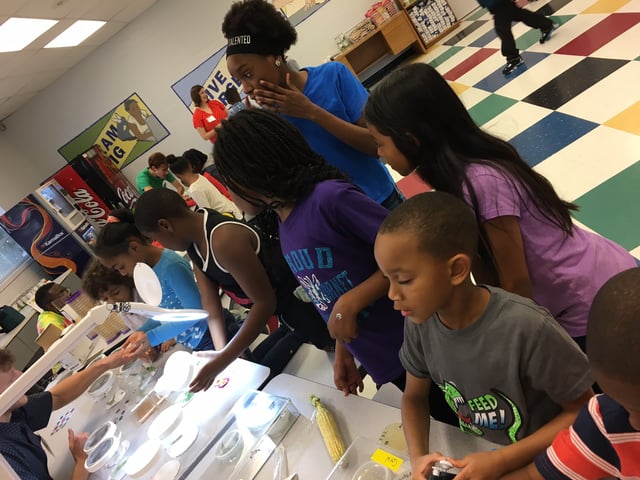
[75, 34]
[17, 33]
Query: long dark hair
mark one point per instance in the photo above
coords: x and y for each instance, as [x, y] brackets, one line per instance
[259, 153]
[415, 102]
[113, 239]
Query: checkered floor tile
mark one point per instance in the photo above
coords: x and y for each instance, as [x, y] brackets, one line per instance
[573, 109]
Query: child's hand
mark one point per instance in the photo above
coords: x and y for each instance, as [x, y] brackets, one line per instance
[164, 348]
[76, 445]
[479, 466]
[207, 374]
[137, 344]
[345, 373]
[421, 467]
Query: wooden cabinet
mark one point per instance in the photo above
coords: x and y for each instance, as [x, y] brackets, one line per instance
[389, 39]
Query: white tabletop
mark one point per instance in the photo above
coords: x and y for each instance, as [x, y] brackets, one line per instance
[355, 416]
[206, 409]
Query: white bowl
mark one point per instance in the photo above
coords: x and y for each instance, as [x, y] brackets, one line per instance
[106, 430]
[372, 471]
[229, 447]
[144, 460]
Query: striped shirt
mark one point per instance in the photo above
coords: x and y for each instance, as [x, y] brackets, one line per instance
[601, 443]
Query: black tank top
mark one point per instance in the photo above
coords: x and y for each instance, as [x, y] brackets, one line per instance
[207, 260]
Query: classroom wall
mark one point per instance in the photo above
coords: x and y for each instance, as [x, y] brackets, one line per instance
[155, 50]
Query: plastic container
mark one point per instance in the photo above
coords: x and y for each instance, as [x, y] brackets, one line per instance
[229, 447]
[366, 459]
[105, 388]
[135, 375]
[390, 6]
[147, 406]
[173, 431]
[179, 371]
[106, 430]
[146, 461]
[378, 14]
[108, 457]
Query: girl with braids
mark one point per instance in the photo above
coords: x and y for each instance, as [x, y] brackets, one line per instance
[231, 256]
[327, 230]
[325, 102]
[119, 246]
[529, 240]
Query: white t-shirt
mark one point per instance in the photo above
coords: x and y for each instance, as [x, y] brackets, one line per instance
[207, 196]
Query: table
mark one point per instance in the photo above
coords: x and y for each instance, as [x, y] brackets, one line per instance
[356, 416]
[206, 409]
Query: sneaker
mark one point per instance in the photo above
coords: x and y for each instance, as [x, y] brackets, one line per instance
[512, 65]
[546, 34]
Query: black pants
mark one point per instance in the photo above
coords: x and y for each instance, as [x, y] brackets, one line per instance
[276, 350]
[438, 407]
[504, 12]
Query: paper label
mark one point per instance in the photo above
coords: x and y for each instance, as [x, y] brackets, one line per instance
[387, 459]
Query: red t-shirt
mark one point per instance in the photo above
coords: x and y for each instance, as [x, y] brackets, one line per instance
[207, 120]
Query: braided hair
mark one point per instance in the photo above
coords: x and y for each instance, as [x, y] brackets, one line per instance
[260, 154]
[113, 239]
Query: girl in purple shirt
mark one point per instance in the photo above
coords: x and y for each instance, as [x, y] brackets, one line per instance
[529, 243]
[327, 229]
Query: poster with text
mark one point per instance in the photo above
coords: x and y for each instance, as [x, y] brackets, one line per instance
[213, 74]
[124, 133]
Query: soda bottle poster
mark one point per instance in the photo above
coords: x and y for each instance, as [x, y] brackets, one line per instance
[213, 74]
[124, 133]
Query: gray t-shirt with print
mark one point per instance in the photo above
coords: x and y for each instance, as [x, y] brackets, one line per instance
[506, 374]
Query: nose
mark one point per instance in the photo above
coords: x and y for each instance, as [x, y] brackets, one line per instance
[393, 292]
[246, 87]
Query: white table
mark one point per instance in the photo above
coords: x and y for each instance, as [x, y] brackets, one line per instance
[207, 409]
[356, 416]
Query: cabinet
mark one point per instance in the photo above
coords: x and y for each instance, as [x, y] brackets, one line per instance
[431, 19]
[387, 40]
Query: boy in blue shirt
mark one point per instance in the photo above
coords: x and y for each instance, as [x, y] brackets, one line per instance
[508, 370]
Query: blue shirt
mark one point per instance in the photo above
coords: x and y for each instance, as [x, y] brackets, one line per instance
[22, 448]
[179, 290]
[334, 88]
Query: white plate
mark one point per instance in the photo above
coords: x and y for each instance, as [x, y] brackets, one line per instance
[188, 435]
[147, 284]
[168, 471]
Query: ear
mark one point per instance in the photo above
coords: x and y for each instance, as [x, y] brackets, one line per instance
[165, 225]
[459, 268]
[133, 245]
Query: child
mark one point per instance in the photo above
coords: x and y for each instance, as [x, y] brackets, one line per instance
[324, 102]
[119, 246]
[230, 255]
[527, 235]
[506, 11]
[156, 174]
[327, 228]
[508, 370]
[234, 102]
[46, 297]
[197, 160]
[201, 190]
[604, 441]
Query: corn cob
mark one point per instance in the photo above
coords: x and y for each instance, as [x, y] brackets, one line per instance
[328, 429]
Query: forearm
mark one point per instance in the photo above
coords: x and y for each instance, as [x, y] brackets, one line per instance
[355, 136]
[530, 472]
[79, 472]
[167, 331]
[72, 387]
[249, 331]
[416, 424]
[364, 294]
[523, 452]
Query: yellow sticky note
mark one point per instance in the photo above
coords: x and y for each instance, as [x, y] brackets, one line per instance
[387, 459]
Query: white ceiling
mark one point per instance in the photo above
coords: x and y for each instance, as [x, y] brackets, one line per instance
[23, 74]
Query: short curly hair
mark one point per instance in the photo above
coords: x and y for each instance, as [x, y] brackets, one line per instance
[259, 17]
[98, 279]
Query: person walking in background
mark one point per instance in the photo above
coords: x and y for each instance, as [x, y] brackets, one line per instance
[156, 174]
[208, 113]
[506, 11]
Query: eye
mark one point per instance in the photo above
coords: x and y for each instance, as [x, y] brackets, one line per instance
[406, 281]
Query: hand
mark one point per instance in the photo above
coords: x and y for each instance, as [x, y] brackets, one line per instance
[479, 466]
[343, 322]
[137, 344]
[345, 373]
[117, 358]
[421, 466]
[208, 372]
[164, 348]
[76, 446]
[288, 100]
[150, 355]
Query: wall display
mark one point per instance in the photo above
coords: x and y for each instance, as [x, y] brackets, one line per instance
[124, 133]
[213, 75]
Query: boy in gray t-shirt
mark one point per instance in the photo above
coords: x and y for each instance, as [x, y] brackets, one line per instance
[508, 370]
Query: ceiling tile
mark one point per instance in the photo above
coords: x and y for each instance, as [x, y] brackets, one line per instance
[106, 10]
[132, 10]
[50, 8]
[9, 7]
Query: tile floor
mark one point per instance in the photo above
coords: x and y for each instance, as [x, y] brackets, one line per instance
[573, 110]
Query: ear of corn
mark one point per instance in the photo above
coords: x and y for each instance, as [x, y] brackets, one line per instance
[328, 429]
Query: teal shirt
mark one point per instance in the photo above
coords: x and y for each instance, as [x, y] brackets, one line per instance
[145, 179]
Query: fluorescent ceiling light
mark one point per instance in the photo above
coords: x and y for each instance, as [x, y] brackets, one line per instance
[17, 33]
[75, 34]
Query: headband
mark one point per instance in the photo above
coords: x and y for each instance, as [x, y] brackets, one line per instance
[252, 44]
